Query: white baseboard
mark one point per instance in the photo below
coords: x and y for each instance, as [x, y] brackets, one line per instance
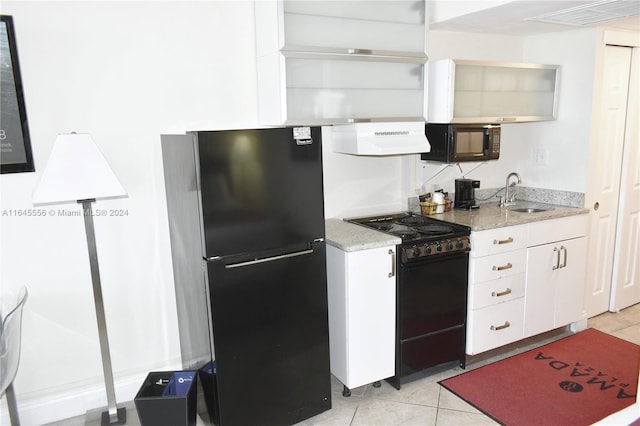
[75, 402]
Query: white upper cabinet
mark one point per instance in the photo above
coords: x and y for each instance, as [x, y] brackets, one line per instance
[330, 62]
[460, 91]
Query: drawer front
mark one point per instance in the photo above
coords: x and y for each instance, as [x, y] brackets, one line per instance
[564, 228]
[495, 326]
[498, 240]
[496, 291]
[497, 266]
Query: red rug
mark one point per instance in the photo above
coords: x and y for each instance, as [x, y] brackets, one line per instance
[577, 380]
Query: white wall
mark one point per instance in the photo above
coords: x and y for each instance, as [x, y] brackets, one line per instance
[566, 139]
[362, 185]
[563, 139]
[126, 72]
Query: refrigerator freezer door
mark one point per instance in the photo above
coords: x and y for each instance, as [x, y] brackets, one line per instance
[271, 338]
[260, 189]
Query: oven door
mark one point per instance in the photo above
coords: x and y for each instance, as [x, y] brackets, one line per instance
[432, 309]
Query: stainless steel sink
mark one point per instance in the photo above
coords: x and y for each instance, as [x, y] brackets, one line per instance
[529, 210]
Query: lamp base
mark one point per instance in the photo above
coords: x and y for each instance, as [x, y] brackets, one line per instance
[121, 420]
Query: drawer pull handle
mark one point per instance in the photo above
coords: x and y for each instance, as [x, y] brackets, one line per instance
[501, 327]
[507, 241]
[501, 293]
[502, 268]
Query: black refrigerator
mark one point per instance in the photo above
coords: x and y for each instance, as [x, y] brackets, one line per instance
[246, 221]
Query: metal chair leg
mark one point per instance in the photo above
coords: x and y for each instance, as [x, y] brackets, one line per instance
[13, 406]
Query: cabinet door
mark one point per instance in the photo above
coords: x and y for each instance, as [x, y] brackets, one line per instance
[371, 296]
[554, 294]
[362, 314]
[569, 297]
[473, 91]
[327, 62]
[540, 288]
[396, 25]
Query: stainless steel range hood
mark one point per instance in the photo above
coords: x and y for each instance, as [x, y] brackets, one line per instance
[383, 138]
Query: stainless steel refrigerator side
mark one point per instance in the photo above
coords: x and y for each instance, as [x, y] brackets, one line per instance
[189, 269]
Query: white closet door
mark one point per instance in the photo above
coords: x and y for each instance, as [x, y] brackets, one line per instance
[626, 267]
[604, 175]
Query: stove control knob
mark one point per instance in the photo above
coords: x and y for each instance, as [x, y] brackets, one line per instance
[438, 248]
[460, 244]
[427, 249]
[449, 245]
[416, 251]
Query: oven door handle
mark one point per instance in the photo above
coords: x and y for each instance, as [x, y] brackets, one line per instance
[393, 263]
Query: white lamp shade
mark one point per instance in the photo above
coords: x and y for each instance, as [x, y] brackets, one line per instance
[76, 170]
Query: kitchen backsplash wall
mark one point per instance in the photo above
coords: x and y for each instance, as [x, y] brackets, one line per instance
[550, 196]
[523, 193]
[361, 185]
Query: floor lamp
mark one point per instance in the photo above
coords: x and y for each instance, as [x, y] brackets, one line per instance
[78, 172]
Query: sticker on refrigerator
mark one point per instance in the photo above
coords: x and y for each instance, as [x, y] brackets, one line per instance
[302, 135]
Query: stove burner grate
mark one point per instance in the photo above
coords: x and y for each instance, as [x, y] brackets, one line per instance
[381, 226]
[434, 229]
[404, 233]
[411, 220]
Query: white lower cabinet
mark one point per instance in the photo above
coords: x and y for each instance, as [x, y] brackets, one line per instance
[525, 280]
[556, 275]
[361, 288]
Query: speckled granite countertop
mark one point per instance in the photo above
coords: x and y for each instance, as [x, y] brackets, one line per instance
[349, 237]
[490, 215]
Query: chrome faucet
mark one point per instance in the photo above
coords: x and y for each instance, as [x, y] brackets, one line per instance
[509, 199]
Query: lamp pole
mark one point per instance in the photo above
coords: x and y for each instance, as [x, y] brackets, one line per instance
[114, 415]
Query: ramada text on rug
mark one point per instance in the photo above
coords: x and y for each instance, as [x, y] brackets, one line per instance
[588, 376]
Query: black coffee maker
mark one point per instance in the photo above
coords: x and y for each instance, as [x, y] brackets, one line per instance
[466, 194]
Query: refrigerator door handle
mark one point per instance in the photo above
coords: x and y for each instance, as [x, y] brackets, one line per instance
[268, 259]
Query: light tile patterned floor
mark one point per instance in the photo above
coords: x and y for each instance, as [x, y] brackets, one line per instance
[424, 402]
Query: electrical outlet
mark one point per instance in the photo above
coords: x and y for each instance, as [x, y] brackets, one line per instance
[542, 156]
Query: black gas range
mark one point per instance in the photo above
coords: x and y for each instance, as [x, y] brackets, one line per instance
[421, 236]
[431, 292]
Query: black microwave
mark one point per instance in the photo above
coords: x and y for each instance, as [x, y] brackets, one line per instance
[453, 143]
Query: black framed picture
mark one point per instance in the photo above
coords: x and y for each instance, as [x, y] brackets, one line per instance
[15, 145]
